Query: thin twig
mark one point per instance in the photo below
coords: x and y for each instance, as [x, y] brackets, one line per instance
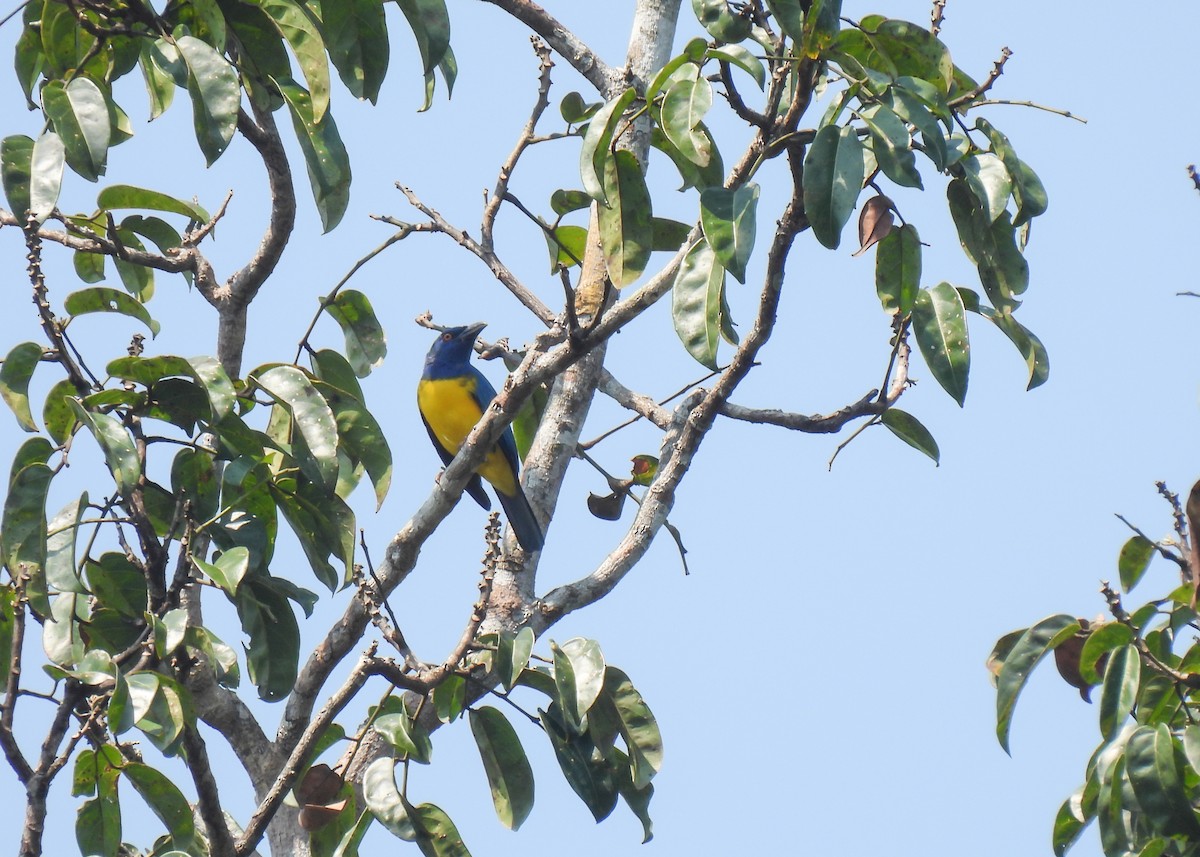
[1019, 103]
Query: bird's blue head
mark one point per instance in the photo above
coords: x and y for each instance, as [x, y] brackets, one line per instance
[450, 354]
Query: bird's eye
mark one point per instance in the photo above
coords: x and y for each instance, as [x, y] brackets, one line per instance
[446, 337]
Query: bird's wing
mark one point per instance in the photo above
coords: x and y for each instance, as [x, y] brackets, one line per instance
[484, 393]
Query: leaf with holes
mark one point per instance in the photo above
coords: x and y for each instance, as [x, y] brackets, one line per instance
[940, 325]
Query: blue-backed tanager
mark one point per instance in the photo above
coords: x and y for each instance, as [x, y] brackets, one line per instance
[451, 397]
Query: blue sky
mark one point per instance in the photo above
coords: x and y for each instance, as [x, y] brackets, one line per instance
[819, 676]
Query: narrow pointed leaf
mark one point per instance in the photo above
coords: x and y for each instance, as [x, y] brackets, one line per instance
[166, 801]
[23, 530]
[1036, 359]
[686, 102]
[357, 40]
[892, 144]
[1158, 782]
[79, 112]
[436, 834]
[989, 180]
[302, 36]
[16, 158]
[637, 726]
[1119, 689]
[1033, 645]
[117, 445]
[384, 800]
[898, 269]
[213, 86]
[46, 172]
[940, 325]
[104, 299]
[127, 196]
[597, 142]
[325, 155]
[833, 177]
[62, 572]
[15, 374]
[1133, 560]
[366, 345]
[509, 775]
[430, 23]
[1101, 640]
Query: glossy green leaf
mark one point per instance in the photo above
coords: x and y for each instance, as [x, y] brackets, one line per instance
[300, 31]
[46, 172]
[900, 48]
[362, 439]
[728, 217]
[350, 841]
[565, 201]
[696, 303]
[80, 115]
[120, 196]
[324, 154]
[940, 326]
[98, 824]
[57, 415]
[312, 418]
[711, 174]
[512, 655]
[150, 371]
[891, 144]
[323, 524]
[16, 166]
[436, 834]
[1033, 645]
[117, 584]
[1027, 188]
[637, 726]
[669, 235]
[833, 177]
[384, 800]
[15, 374]
[1119, 689]
[910, 430]
[743, 59]
[990, 246]
[166, 801]
[62, 636]
[693, 52]
[595, 150]
[448, 68]
[335, 370]
[1068, 826]
[913, 109]
[23, 529]
[1036, 359]
[509, 775]
[220, 656]
[789, 17]
[587, 774]
[1158, 782]
[450, 698]
[212, 84]
[274, 649]
[626, 230]
[228, 570]
[578, 675]
[685, 103]
[898, 269]
[574, 110]
[117, 445]
[160, 86]
[821, 24]
[567, 246]
[357, 40]
[1101, 640]
[989, 180]
[1133, 560]
[104, 299]
[89, 267]
[636, 798]
[408, 738]
[366, 344]
[138, 280]
[261, 51]
[430, 23]
[722, 23]
[62, 572]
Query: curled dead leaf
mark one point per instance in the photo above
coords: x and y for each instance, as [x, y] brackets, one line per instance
[874, 222]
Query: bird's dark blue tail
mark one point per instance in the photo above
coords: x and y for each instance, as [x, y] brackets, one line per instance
[520, 516]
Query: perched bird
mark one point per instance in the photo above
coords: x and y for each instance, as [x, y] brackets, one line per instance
[451, 396]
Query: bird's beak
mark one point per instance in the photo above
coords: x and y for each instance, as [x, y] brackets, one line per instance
[473, 330]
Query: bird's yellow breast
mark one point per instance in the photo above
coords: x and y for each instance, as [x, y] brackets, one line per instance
[449, 407]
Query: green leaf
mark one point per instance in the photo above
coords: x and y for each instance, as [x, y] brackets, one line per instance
[357, 40]
[206, 371]
[626, 231]
[1119, 690]
[910, 430]
[408, 738]
[710, 175]
[637, 726]
[1034, 644]
[898, 269]
[436, 834]
[449, 698]
[15, 373]
[587, 774]
[693, 52]
[578, 676]
[430, 23]
[512, 655]
[324, 154]
[117, 584]
[138, 280]
[696, 303]
[914, 110]
[229, 569]
[23, 528]
[160, 86]
[98, 825]
[212, 84]
[104, 299]
[362, 440]
[597, 142]
[1068, 826]
[62, 572]
[366, 344]
[728, 219]
[117, 445]
[335, 370]
[990, 246]
[1031, 348]
[46, 172]
[1101, 640]
[833, 177]
[721, 22]
[743, 59]
[311, 418]
[79, 112]
[273, 653]
[384, 799]
[166, 801]
[62, 638]
[565, 201]
[687, 100]
[567, 246]
[57, 415]
[1133, 560]
[940, 325]
[449, 70]
[301, 34]
[637, 799]
[892, 145]
[120, 196]
[989, 181]
[1157, 781]
[789, 17]
[508, 773]
[1027, 188]
[669, 235]
[16, 167]
[574, 110]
